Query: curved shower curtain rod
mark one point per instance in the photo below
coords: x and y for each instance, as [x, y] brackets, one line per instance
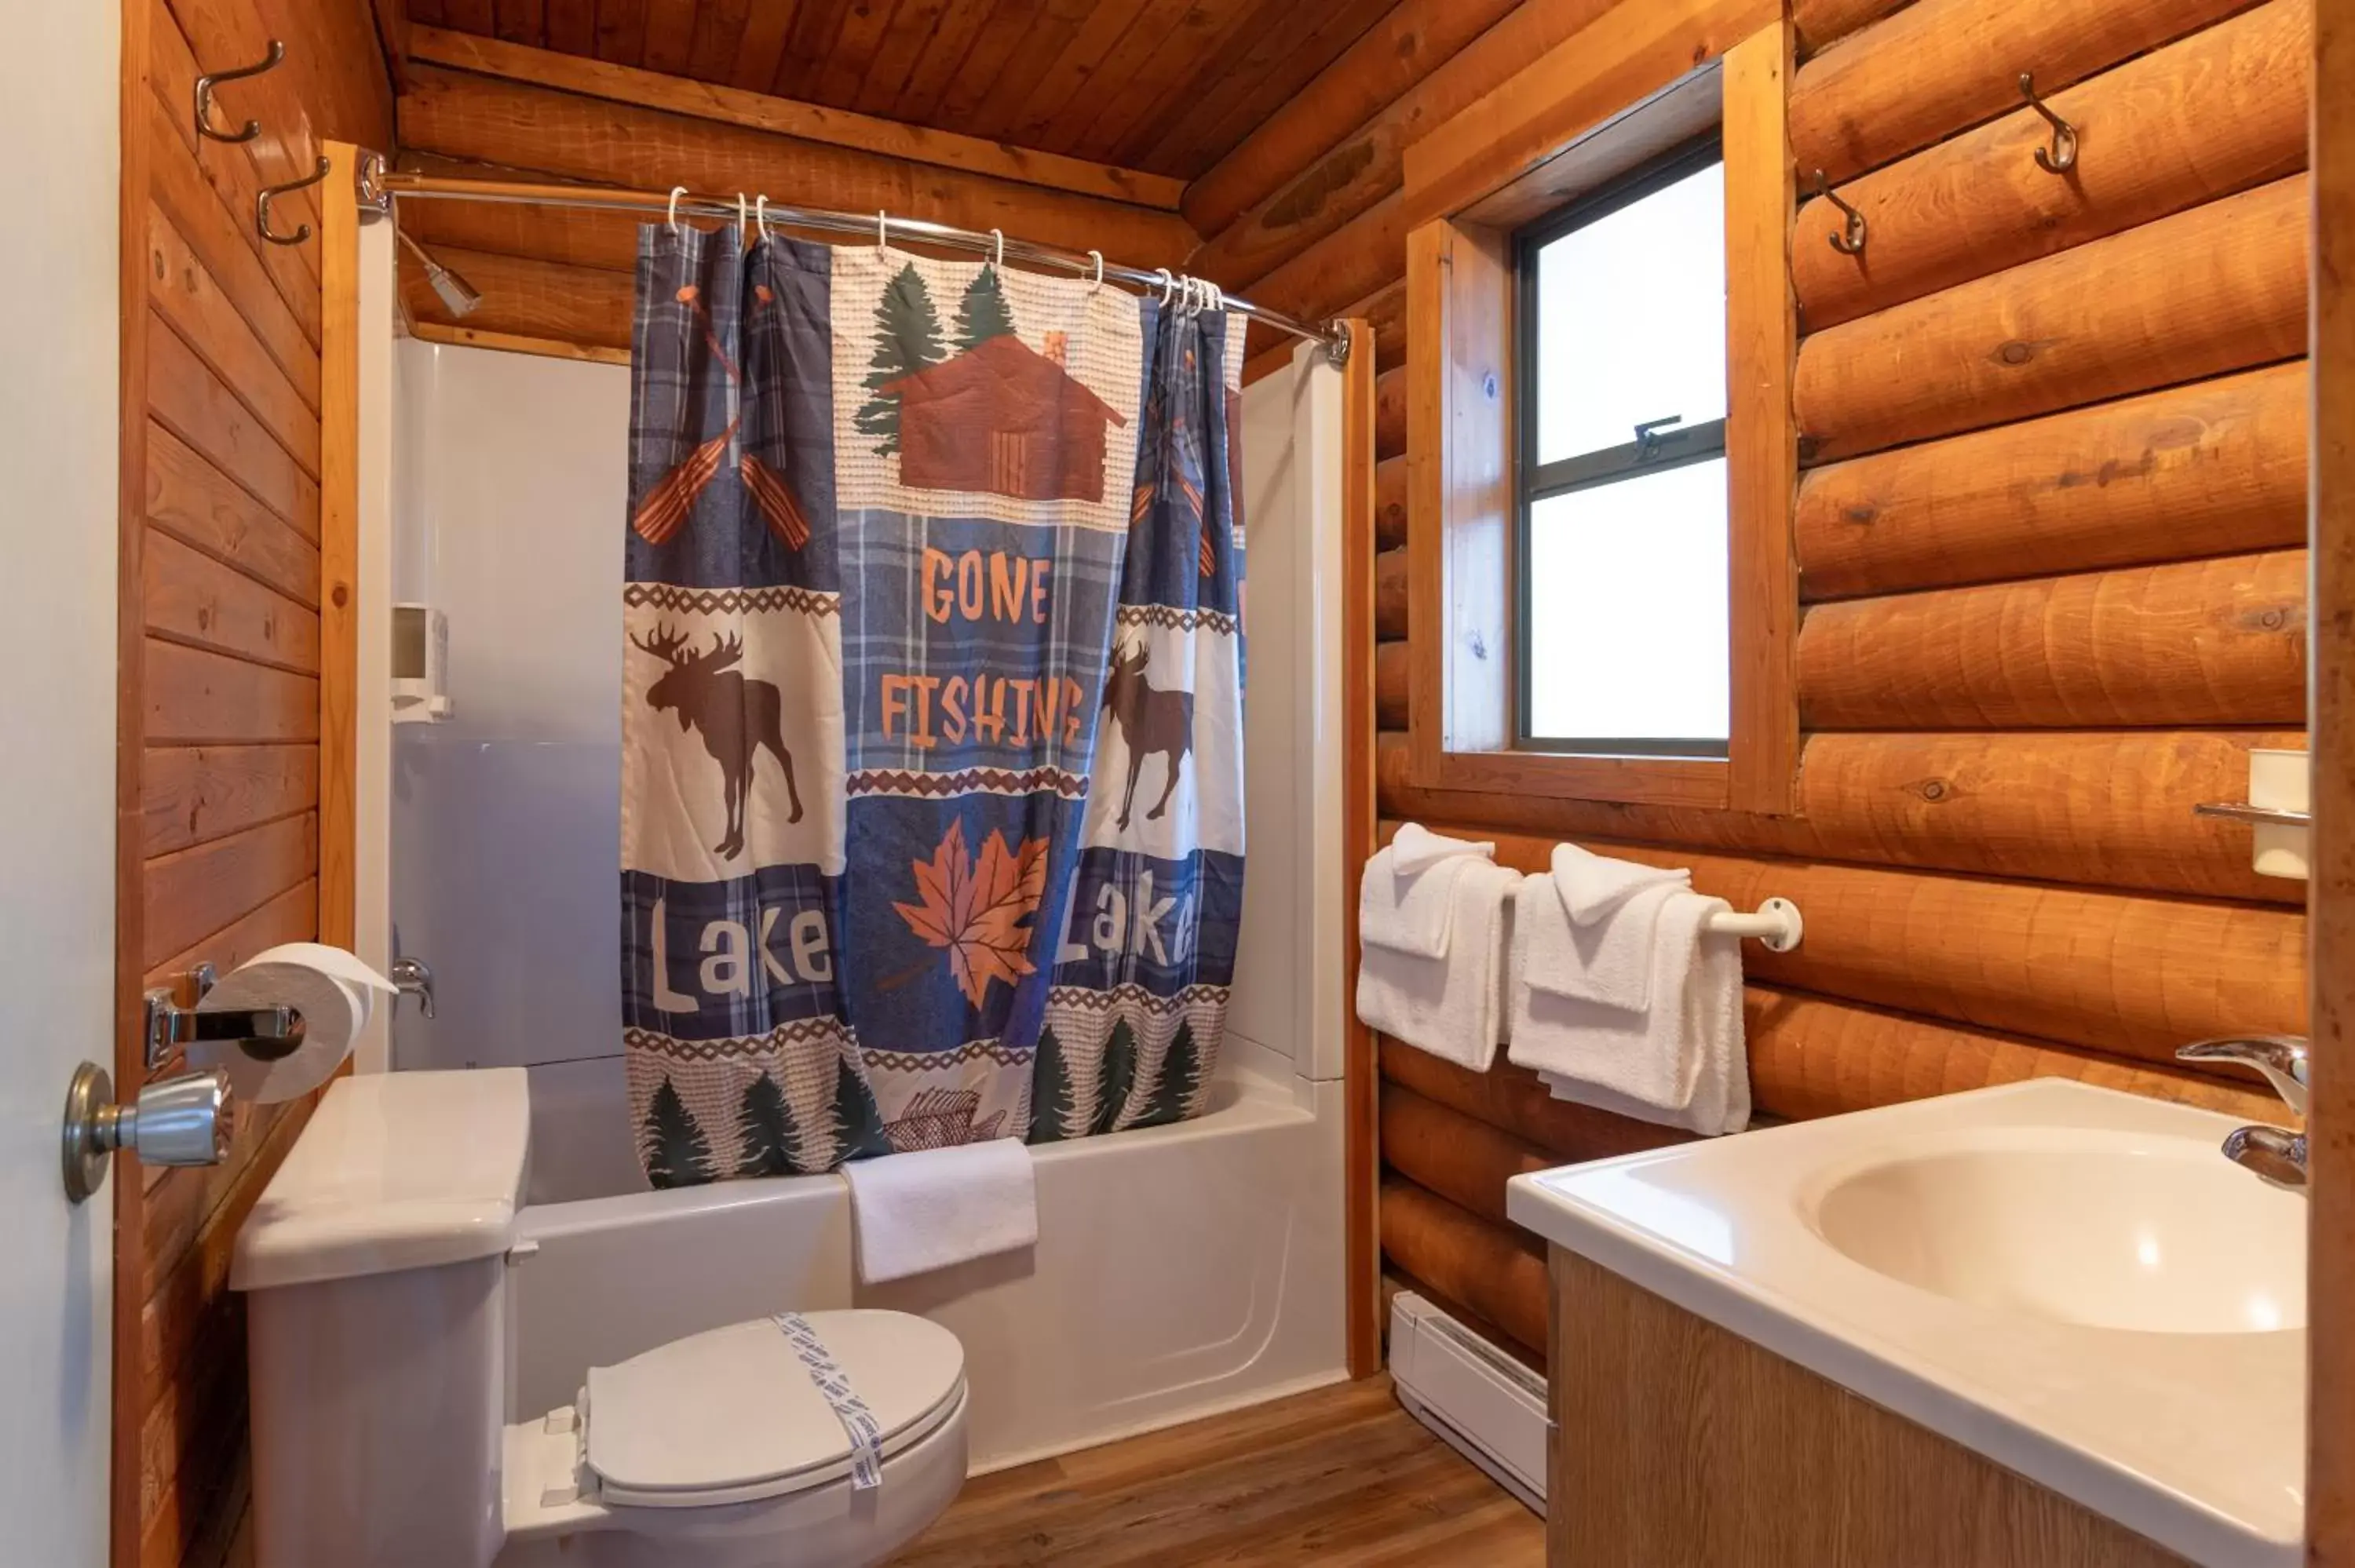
[379, 186]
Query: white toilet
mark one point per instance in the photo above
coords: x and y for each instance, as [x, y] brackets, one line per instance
[375, 1267]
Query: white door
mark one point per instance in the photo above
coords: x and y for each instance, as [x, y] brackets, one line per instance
[59, 91]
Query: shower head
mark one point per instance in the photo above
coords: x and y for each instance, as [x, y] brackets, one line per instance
[460, 296]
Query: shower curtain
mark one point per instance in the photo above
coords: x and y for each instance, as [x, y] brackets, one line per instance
[932, 721]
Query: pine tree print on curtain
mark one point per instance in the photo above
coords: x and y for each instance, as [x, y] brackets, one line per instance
[732, 741]
[1147, 958]
[985, 460]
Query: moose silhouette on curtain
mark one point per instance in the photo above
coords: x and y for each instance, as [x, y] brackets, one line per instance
[1151, 720]
[735, 715]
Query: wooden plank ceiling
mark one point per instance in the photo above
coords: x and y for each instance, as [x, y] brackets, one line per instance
[1166, 86]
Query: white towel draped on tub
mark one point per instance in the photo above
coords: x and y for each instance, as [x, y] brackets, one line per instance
[1681, 1060]
[916, 1212]
[1431, 970]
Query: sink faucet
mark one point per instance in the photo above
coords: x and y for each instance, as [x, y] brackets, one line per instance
[2274, 1153]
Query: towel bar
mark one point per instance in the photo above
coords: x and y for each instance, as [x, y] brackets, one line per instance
[1776, 924]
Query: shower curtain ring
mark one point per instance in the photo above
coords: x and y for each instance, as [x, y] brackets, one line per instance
[1098, 257]
[882, 230]
[676, 192]
[1169, 284]
[998, 258]
[761, 214]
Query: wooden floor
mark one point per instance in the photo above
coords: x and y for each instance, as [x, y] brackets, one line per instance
[1342, 1475]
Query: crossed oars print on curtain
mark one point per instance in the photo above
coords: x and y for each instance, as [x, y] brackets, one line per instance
[888, 519]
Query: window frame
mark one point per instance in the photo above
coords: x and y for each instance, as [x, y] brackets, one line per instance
[1660, 453]
[1471, 184]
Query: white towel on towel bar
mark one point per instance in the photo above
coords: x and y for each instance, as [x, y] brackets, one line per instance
[1593, 943]
[1406, 899]
[1682, 1062]
[1451, 1006]
[933, 1207]
[1416, 848]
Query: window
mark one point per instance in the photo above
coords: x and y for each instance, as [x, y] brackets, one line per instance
[1622, 625]
[1602, 603]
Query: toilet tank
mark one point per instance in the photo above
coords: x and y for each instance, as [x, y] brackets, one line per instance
[374, 1267]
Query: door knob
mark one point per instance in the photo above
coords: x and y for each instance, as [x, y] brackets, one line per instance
[183, 1120]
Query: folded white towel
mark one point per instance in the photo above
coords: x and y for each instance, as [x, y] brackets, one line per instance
[1594, 887]
[1452, 1006]
[1406, 899]
[926, 1209]
[1416, 848]
[1594, 942]
[1681, 1063]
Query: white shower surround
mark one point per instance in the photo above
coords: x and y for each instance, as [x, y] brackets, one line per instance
[1180, 1270]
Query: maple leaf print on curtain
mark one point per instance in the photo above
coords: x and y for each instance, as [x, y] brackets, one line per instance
[975, 913]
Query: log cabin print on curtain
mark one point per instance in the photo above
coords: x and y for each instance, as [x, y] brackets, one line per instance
[1138, 1010]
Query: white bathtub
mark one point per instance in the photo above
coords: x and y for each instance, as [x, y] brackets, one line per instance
[1180, 1271]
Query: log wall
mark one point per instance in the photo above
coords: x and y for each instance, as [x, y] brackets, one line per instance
[566, 278]
[218, 838]
[2049, 537]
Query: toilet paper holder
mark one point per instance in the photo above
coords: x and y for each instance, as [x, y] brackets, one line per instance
[265, 1034]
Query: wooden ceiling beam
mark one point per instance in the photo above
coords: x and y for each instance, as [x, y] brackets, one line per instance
[788, 117]
[577, 138]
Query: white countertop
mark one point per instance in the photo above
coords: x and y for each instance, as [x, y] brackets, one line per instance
[2196, 1440]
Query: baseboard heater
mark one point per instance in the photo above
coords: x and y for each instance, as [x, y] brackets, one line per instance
[1488, 1406]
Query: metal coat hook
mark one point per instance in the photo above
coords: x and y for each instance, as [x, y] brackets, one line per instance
[1851, 243]
[2062, 156]
[212, 79]
[269, 193]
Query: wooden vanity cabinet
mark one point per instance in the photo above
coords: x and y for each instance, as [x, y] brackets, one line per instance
[1677, 1444]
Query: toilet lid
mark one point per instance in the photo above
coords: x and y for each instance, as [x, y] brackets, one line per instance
[731, 1415]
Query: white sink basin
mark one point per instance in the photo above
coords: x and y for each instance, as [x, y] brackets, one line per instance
[2072, 1281]
[2111, 1230]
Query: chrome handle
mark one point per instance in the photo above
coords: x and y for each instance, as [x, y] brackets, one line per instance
[264, 1033]
[415, 977]
[2274, 1154]
[183, 1120]
[2280, 1057]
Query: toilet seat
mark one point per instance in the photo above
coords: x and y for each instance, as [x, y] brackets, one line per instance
[731, 1415]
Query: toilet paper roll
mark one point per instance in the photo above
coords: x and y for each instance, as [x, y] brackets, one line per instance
[334, 993]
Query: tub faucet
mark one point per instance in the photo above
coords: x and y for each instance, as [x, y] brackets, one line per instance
[2274, 1153]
